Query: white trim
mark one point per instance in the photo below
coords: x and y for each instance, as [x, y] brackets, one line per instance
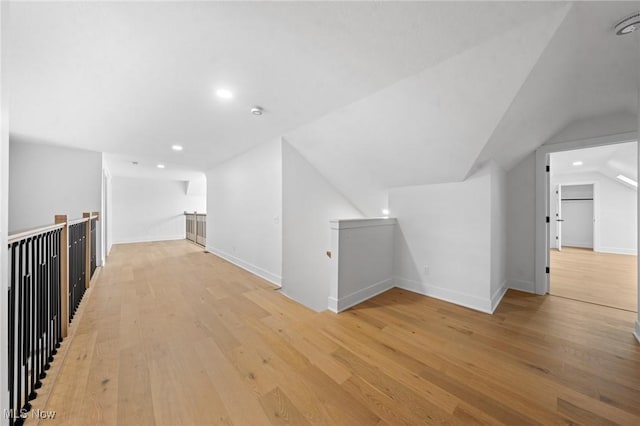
[451, 296]
[637, 332]
[150, 239]
[361, 223]
[498, 295]
[542, 196]
[617, 250]
[345, 302]
[578, 245]
[249, 267]
[521, 285]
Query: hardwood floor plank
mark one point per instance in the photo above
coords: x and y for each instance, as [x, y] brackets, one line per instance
[603, 278]
[171, 335]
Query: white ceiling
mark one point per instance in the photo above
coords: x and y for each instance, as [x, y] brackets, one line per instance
[374, 94]
[610, 160]
[135, 78]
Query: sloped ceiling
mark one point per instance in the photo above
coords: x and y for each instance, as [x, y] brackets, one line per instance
[373, 94]
[587, 75]
[133, 78]
[430, 127]
[609, 160]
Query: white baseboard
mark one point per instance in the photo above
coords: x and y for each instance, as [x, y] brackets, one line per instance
[526, 286]
[637, 332]
[150, 239]
[616, 250]
[255, 270]
[579, 245]
[496, 298]
[472, 302]
[345, 302]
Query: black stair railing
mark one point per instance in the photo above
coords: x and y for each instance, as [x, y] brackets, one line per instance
[48, 270]
[34, 314]
[77, 264]
[93, 246]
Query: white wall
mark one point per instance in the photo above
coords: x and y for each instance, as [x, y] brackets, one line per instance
[150, 209]
[498, 233]
[362, 260]
[4, 215]
[107, 211]
[309, 203]
[244, 210]
[520, 224]
[45, 180]
[615, 210]
[447, 228]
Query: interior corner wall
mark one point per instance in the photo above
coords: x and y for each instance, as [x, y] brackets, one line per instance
[45, 180]
[150, 209]
[244, 210]
[520, 225]
[443, 240]
[498, 234]
[107, 205]
[309, 202]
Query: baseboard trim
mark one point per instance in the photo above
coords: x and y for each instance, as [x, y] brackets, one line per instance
[615, 250]
[526, 286]
[247, 266]
[150, 239]
[451, 296]
[578, 245]
[345, 302]
[498, 295]
[637, 332]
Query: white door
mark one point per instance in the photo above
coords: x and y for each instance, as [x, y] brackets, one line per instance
[559, 219]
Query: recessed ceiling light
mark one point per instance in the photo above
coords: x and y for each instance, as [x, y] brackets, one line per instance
[385, 212]
[628, 25]
[577, 163]
[224, 93]
[160, 166]
[627, 180]
[176, 147]
[256, 110]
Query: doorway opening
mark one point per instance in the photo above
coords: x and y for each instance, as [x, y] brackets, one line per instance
[592, 230]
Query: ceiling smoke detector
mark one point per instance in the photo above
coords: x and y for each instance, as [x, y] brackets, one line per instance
[628, 24]
[256, 110]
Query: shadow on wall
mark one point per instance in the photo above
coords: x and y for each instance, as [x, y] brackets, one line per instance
[404, 261]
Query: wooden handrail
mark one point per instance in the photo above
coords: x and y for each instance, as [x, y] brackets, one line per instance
[76, 221]
[23, 235]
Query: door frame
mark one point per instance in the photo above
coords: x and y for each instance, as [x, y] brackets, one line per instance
[542, 210]
[596, 209]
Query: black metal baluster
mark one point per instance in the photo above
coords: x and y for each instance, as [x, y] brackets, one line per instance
[12, 326]
[59, 291]
[72, 269]
[35, 366]
[46, 338]
[29, 336]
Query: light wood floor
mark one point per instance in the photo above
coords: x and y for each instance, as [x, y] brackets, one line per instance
[603, 278]
[171, 335]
